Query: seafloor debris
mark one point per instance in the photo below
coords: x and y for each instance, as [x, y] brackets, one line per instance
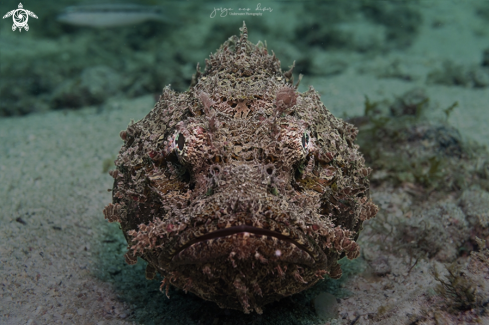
[109, 15]
[403, 146]
[241, 189]
[431, 185]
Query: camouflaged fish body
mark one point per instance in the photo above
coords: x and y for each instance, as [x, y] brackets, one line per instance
[241, 189]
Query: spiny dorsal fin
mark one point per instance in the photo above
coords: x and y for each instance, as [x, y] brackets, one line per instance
[241, 46]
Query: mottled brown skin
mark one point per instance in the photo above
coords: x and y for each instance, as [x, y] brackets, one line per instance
[241, 189]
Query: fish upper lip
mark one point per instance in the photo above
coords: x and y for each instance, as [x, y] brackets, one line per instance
[317, 256]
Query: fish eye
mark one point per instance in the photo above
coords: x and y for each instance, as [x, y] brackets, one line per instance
[305, 139]
[180, 141]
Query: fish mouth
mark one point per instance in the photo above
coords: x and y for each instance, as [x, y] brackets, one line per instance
[242, 242]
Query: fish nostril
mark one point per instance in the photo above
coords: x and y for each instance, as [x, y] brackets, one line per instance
[270, 169]
[215, 170]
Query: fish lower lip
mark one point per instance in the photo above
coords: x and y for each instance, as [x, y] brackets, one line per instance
[239, 229]
[183, 255]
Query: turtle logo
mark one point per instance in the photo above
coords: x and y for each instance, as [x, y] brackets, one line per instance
[20, 17]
